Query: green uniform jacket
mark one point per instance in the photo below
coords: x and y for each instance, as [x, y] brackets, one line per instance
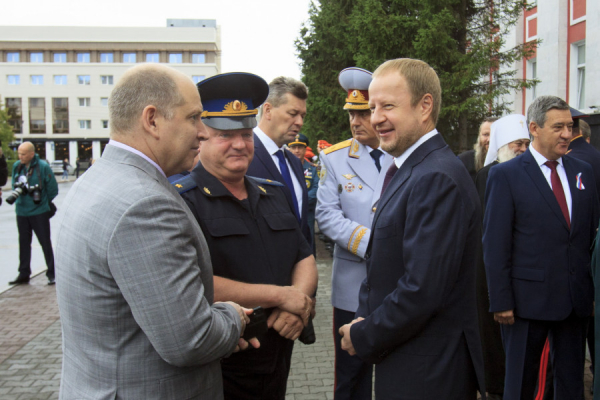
[25, 206]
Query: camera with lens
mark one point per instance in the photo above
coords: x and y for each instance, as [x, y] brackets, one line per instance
[22, 188]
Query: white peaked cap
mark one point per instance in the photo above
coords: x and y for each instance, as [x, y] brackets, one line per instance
[505, 130]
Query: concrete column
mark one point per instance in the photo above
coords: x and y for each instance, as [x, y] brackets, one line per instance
[73, 152]
[552, 24]
[50, 151]
[96, 149]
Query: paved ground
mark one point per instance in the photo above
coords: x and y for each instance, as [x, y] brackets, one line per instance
[30, 344]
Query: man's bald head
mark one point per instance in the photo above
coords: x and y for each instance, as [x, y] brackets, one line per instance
[26, 152]
[141, 86]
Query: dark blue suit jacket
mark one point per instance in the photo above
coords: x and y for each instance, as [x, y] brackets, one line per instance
[262, 166]
[418, 297]
[535, 265]
[582, 150]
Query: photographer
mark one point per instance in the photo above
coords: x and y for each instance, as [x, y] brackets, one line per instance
[34, 187]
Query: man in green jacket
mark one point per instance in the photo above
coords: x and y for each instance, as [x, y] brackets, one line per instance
[33, 179]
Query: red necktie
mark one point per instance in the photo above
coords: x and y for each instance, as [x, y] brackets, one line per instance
[559, 193]
[388, 176]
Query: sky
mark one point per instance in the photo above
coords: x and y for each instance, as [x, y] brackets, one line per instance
[257, 36]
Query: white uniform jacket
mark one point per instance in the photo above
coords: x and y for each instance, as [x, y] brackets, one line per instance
[347, 198]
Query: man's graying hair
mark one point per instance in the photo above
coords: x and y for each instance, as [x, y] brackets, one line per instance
[141, 88]
[282, 85]
[541, 105]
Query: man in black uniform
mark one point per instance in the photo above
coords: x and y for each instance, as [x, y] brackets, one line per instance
[258, 252]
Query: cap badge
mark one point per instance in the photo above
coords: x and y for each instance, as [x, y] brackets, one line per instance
[235, 106]
[355, 94]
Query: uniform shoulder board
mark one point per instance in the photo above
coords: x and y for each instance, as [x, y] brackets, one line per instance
[338, 146]
[184, 184]
[265, 181]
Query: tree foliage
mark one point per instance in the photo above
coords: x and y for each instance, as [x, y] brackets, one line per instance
[463, 40]
[6, 131]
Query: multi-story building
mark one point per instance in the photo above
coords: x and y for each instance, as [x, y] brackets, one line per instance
[55, 81]
[567, 59]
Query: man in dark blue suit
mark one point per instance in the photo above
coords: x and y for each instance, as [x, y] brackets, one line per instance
[540, 220]
[417, 315]
[281, 119]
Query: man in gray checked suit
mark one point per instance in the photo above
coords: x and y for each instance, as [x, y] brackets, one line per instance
[352, 174]
[134, 277]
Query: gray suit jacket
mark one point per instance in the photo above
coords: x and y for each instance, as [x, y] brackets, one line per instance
[347, 198]
[135, 288]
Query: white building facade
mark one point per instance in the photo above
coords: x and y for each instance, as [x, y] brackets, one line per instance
[55, 81]
[567, 60]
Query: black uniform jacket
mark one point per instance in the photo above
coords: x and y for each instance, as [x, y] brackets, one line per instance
[256, 240]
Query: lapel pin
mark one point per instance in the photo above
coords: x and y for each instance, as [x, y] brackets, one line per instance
[579, 183]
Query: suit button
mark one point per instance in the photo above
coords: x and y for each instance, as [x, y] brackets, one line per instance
[374, 209]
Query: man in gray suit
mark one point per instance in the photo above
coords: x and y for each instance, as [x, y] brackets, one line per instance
[135, 281]
[352, 174]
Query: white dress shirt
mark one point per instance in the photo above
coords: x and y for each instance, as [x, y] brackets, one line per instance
[540, 160]
[272, 149]
[402, 157]
[113, 142]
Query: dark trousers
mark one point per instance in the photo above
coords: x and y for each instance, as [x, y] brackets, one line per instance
[524, 342]
[40, 224]
[353, 377]
[239, 384]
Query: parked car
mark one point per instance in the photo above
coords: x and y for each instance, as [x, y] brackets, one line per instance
[57, 167]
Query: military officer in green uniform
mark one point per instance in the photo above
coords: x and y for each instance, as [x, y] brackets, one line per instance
[298, 148]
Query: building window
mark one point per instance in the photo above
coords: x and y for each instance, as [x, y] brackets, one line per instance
[152, 57]
[85, 124]
[60, 57]
[12, 57]
[128, 57]
[104, 124]
[13, 79]
[60, 79]
[37, 115]
[36, 57]
[106, 57]
[104, 101]
[175, 58]
[106, 79]
[581, 76]
[198, 58]
[60, 115]
[15, 113]
[37, 79]
[84, 101]
[83, 57]
[83, 79]
[197, 78]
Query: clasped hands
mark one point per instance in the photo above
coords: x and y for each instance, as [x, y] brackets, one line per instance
[293, 313]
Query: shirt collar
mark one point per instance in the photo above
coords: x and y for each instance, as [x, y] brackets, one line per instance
[269, 144]
[123, 146]
[540, 159]
[404, 156]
